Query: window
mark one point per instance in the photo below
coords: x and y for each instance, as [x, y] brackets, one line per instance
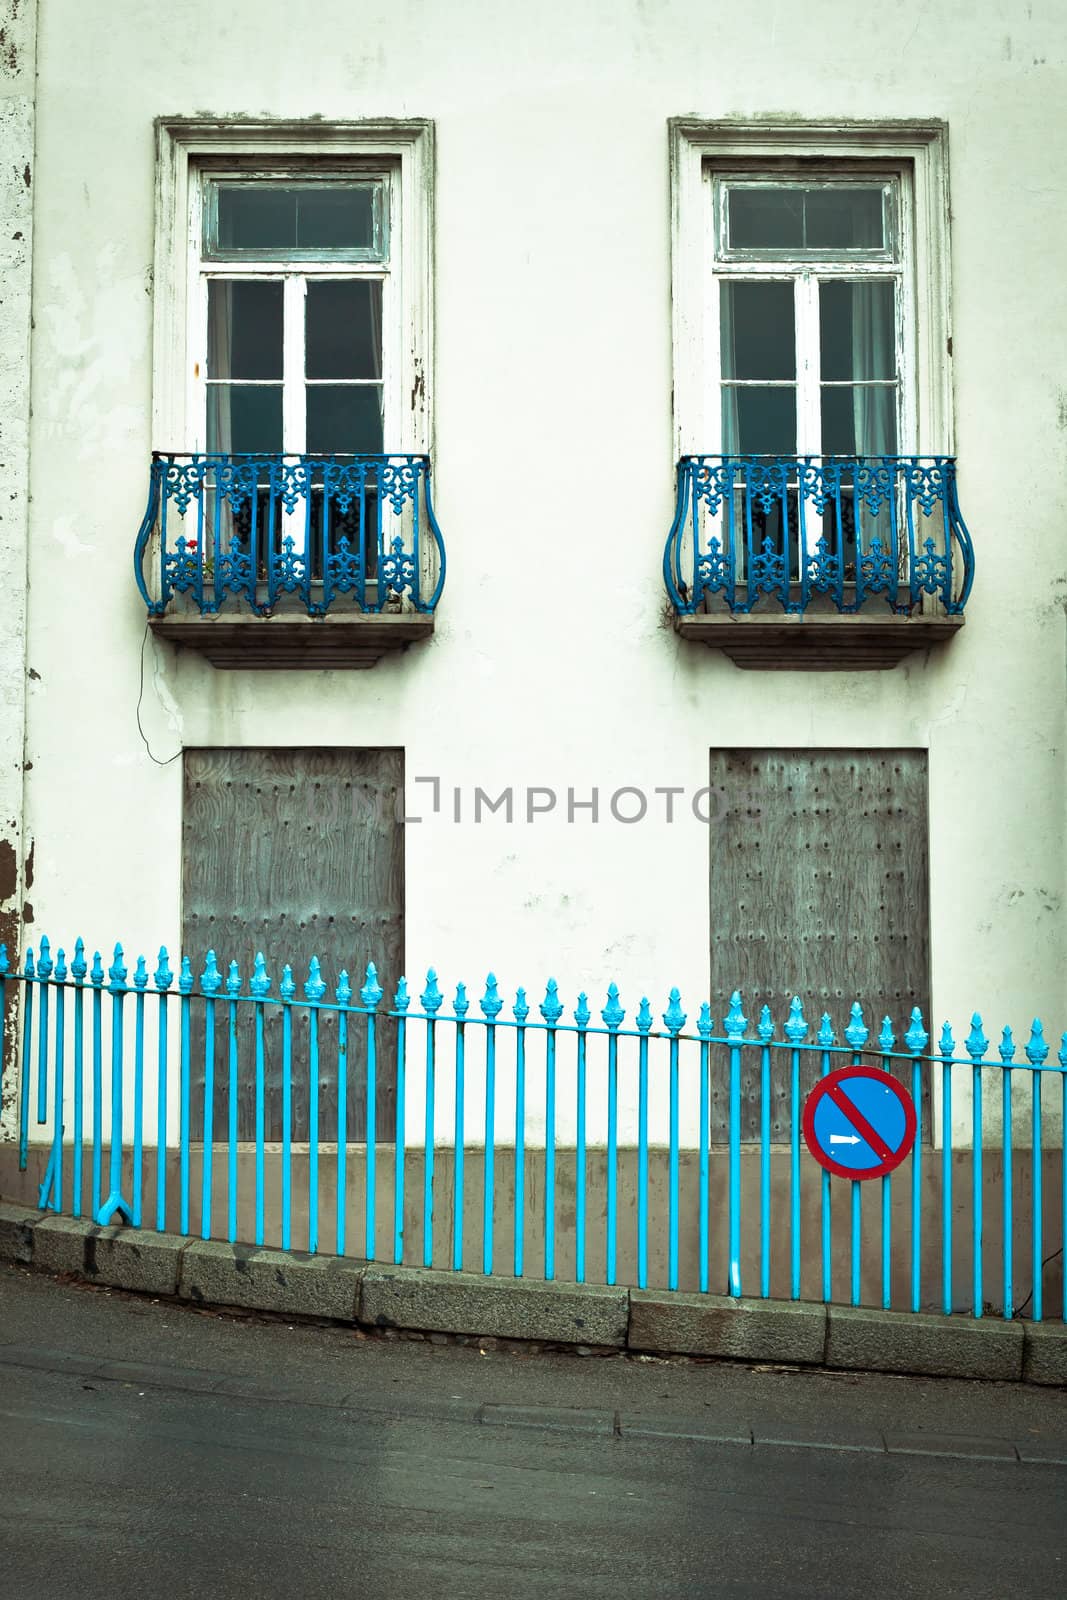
[808, 293]
[295, 325]
[293, 287]
[811, 280]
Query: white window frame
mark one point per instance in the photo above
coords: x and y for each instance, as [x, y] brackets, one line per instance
[189, 149]
[916, 153]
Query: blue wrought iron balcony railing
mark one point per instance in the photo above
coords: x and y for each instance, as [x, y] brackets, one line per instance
[255, 532]
[817, 532]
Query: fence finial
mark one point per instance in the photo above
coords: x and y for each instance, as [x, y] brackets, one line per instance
[826, 1037]
[96, 974]
[613, 1014]
[1006, 1048]
[401, 1000]
[857, 1033]
[704, 1022]
[461, 1005]
[79, 966]
[431, 997]
[582, 1013]
[1037, 1049]
[44, 958]
[287, 987]
[116, 972]
[765, 1026]
[520, 1009]
[233, 981]
[674, 1016]
[372, 991]
[796, 1028]
[491, 1002]
[314, 987]
[644, 1015]
[735, 1020]
[886, 1037]
[916, 1039]
[211, 977]
[3, 960]
[552, 1008]
[163, 977]
[1062, 1057]
[976, 1043]
[140, 973]
[259, 984]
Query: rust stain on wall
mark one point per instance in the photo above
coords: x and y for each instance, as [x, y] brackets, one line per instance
[28, 870]
[9, 870]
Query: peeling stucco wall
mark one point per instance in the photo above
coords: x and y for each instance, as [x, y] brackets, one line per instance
[18, 39]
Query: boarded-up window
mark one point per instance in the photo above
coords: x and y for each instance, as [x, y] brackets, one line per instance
[819, 887]
[295, 853]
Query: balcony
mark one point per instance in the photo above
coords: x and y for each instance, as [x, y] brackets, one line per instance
[262, 561]
[818, 562]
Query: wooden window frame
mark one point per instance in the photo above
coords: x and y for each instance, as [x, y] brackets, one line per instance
[190, 150]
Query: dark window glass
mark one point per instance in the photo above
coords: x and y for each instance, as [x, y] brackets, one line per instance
[758, 421]
[344, 419]
[839, 217]
[857, 330]
[766, 219]
[242, 418]
[244, 338]
[756, 331]
[860, 421]
[344, 328]
[276, 218]
[844, 219]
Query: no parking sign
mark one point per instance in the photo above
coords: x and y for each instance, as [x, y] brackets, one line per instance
[859, 1122]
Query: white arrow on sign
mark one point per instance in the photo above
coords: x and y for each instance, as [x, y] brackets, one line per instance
[845, 1138]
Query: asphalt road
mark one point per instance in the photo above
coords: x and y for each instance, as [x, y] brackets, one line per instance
[152, 1450]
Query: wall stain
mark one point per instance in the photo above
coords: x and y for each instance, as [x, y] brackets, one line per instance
[28, 869]
[27, 912]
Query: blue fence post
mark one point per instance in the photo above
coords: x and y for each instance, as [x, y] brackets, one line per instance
[1037, 1055]
[114, 1205]
[551, 1011]
[96, 978]
[343, 995]
[314, 989]
[856, 1036]
[371, 997]
[140, 984]
[27, 1046]
[826, 1038]
[233, 995]
[674, 1022]
[490, 1004]
[59, 1081]
[460, 1007]
[976, 1045]
[401, 1003]
[210, 984]
[259, 987]
[520, 1011]
[643, 1021]
[430, 1000]
[736, 1023]
[163, 977]
[78, 970]
[581, 1017]
[796, 1031]
[287, 992]
[185, 989]
[1006, 1051]
[946, 1168]
[704, 1029]
[612, 1016]
[44, 972]
[765, 1029]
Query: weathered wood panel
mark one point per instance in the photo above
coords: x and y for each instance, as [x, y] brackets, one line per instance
[295, 853]
[819, 887]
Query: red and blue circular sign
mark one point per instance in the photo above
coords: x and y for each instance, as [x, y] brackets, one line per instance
[859, 1122]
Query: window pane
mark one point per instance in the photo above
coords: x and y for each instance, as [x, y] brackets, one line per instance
[344, 420]
[242, 418]
[844, 219]
[344, 329]
[860, 422]
[277, 217]
[765, 219]
[760, 422]
[340, 217]
[244, 323]
[756, 331]
[857, 331]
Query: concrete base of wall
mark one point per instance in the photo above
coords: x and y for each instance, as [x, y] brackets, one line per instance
[342, 1290]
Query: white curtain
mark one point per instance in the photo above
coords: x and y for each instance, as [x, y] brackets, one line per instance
[873, 346]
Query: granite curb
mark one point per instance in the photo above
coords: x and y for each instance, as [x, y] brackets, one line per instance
[591, 1317]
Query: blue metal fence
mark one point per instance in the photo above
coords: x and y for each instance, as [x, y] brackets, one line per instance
[75, 1015]
[805, 531]
[253, 530]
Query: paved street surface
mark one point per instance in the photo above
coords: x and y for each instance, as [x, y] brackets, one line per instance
[153, 1450]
